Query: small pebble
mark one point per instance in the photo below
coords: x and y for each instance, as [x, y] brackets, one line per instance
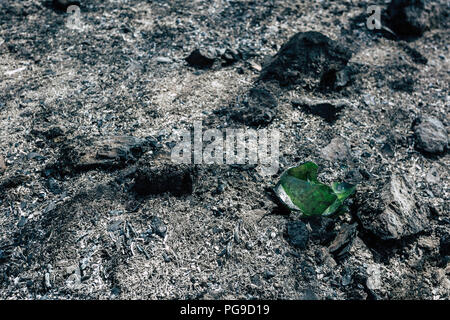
[163, 60]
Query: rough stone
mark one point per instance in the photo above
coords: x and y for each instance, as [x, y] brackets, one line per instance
[163, 60]
[205, 58]
[336, 150]
[115, 225]
[2, 164]
[341, 244]
[390, 211]
[158, 226]
[53, 186]
[431, 135]
[405, 84]
[35, 156]
[230, 56]
[433, 175]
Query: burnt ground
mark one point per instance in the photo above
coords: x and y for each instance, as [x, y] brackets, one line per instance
[74, 225]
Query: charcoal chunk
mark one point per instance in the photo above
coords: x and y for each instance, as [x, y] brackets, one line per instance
[202, 58]
[307, 58]
[298, 234]
[175, 180]
[257, 107]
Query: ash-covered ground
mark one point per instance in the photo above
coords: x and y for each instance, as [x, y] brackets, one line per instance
[92, 207]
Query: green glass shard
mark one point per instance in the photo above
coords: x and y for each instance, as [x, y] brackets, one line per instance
[300, 190]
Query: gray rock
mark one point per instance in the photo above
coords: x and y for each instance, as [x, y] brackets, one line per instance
[163, 60]
[322, 230]
[369, 100]
[373, 277]
[431, 135]
[166, 257]
[115, 225]
[118, 147]
[230, 55]
[336, 150]
[341, 244]
[47, 282]
[50, 207]
[346, 279]
[309, 294]
[158, 227]
[390, 211]
[35, 156]
[204, 58]
[2, 164]
[71, 270]
[84, 263]
[53, 186]
[407, 17]
[354, 176]
[342, 78]
[269, 274]
[433, 175]
[116, 212]
[73, 280]
[298, 234]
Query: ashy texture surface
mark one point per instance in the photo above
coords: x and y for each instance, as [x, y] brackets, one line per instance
[129, 224]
